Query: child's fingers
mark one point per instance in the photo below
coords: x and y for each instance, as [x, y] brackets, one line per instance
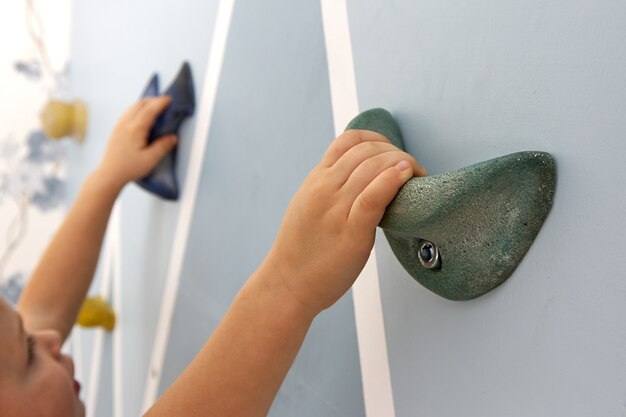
[369, 206]
[346, 141]
[357, 156]
[421, 171]
[153, 107]
[159, 148]
[371, 168]
[141, 103]
[130, 112]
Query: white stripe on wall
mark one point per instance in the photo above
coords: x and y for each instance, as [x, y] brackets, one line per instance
[368, 311]
[104, 292]
[77, 353]
[118, 378]
[188, 197]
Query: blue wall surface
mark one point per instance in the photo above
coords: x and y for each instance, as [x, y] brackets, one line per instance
[271, 124]
[469, 81]
[116, 46]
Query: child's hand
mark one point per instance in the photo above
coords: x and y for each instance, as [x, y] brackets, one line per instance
[329, 227]
[128, 155]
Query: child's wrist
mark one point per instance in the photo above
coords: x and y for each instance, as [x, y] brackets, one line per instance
[107, 183]
[269, 282]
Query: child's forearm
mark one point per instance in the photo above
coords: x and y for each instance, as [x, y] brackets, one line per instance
[57, 288]
[240, 369]
[324, 241]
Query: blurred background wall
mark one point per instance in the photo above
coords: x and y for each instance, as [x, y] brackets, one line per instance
[32, 185]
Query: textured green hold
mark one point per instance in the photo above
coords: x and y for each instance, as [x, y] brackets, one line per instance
[483, 218]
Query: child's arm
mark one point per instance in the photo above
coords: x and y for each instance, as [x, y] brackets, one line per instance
[324, 241]
[57, 288]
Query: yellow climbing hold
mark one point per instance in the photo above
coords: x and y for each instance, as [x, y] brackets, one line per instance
[96, 312]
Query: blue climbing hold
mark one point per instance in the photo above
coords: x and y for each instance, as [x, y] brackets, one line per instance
[162, 180]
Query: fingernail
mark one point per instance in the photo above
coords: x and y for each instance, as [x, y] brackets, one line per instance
[402, 165]
[421, 167]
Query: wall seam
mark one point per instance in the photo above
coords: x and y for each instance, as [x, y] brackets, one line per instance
[368, 313]
[188, 198]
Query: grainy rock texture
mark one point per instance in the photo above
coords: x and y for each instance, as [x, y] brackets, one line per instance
[483, 218]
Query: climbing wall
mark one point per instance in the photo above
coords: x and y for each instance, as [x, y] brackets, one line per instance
[466, 82]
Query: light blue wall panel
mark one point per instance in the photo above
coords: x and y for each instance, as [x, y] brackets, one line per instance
[468, 81]
[116, 46]
[271, 125]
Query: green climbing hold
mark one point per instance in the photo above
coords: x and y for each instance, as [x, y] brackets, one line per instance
[482, 218]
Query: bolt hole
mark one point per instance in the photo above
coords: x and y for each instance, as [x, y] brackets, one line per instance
[428, 255]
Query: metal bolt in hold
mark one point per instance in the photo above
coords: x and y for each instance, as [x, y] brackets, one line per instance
[428, 255]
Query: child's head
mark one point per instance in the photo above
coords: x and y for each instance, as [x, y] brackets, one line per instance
[35, 378]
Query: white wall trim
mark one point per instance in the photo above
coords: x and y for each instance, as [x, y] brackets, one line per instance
[370, 328]
[77, 352]
[188, 197]
[118, 369]
[98, 341]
